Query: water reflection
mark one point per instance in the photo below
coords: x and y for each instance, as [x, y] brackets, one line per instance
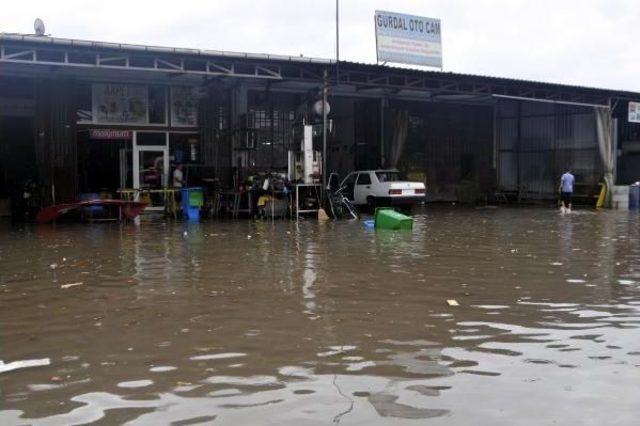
[295, 323]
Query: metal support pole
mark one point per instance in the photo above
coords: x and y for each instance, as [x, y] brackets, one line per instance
[375, 36]
[324, 133]
[518, 142]
[337, 42]
[382, 160]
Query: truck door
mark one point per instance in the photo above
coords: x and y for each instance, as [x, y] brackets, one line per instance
[362, 189]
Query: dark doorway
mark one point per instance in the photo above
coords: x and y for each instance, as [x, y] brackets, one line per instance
[103, 164]
[18, 164]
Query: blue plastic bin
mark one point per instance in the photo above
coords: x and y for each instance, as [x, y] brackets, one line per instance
[192, 200]
[92, 211]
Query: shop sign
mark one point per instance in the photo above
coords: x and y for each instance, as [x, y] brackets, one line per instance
[184, 106]
[408, 39]
[634, 112]
[120, 103]
[109, 134]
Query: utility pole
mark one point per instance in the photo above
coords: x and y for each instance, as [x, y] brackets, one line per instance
[324, 132]
[337, 42]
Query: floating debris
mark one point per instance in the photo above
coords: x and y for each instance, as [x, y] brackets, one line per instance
[452, 302]
[27, 363]
[135, 384]
[217, 356]
[71, 285]
[162, 368]
[322, 215]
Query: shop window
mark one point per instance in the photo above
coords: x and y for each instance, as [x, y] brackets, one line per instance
[83, 96]
[184, 148]
[115, 103]
[184, 106]
[157, 105]
[151, 138]
[120, 103]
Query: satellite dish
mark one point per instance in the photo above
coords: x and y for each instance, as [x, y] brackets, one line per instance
[38, 27]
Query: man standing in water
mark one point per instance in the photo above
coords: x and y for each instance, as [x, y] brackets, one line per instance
[566, 191]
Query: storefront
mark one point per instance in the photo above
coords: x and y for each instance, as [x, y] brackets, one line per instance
[132, 136]
[102, 118]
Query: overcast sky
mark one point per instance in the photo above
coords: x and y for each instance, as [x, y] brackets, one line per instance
[583, 42]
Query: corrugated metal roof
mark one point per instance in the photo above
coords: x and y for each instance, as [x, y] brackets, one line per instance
[137, 48]
[485, 78]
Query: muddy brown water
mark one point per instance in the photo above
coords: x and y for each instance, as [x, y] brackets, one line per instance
[305, 323]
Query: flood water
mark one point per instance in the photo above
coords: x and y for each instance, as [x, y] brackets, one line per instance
[306, 323]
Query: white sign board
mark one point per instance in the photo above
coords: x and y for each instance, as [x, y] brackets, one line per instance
[408, 39]
[120, 103]
[634, 112]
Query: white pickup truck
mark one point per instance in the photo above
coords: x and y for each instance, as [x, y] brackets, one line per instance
[382, 188]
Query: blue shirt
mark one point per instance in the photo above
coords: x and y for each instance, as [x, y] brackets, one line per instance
[566, 182]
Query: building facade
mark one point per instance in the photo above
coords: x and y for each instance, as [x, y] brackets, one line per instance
[89, 117]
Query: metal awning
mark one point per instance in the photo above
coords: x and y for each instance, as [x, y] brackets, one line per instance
[43, 56]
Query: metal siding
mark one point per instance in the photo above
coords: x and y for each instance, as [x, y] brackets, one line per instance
[440, 135]
[552, 137]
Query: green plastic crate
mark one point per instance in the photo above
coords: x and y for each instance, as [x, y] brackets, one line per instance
[388, 218]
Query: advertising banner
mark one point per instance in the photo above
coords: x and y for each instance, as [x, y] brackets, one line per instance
[408, 39]
[120, 103]
[634, 112]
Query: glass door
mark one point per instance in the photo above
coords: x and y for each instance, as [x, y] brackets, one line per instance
[150, 162]
[151, 170]
[150, 167]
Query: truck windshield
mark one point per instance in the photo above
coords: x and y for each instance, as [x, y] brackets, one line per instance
[388, 176]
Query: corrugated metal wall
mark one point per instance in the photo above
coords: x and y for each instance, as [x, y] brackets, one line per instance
[56, 146]
[214, 129]
[536, 141]
[451, 146]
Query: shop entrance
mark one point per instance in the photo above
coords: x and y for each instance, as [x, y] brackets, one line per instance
[104, 158]
[150, 160]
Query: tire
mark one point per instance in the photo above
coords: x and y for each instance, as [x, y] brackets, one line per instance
[407, 209]
[371, 203]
